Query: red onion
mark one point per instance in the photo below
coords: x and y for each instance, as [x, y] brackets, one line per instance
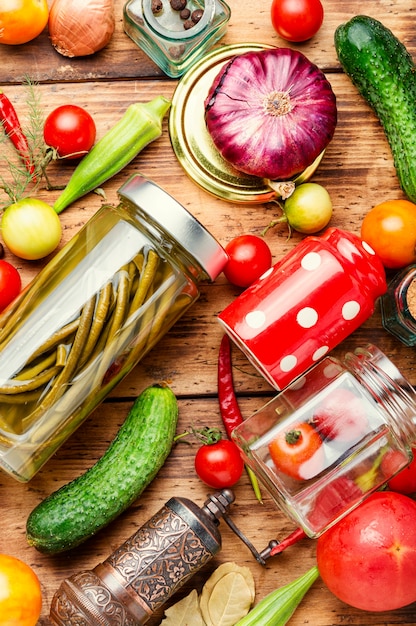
[271, 113]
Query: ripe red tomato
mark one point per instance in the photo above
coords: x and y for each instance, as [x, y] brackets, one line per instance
[368, 559]
[297, 20]
[21, 595]
[341, 415]
[249, 257]
[10, 283]
[219, 464]
[71, 130]
[405, 480]
[390, 229]
[297, 451]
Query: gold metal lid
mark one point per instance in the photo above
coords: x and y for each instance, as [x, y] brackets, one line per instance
[192, 143]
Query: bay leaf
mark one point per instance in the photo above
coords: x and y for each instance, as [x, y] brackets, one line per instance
[227, 595]
[186, 612]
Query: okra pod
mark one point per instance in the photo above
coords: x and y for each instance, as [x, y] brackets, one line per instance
[140, 125]
[278, 606]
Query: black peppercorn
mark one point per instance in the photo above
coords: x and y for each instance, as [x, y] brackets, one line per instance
[196, 15]
[178, 5]
[157, 6]
[188, 24]
[185, 14]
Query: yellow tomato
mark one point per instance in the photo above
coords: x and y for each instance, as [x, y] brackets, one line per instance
[22, 20]
[20, 593]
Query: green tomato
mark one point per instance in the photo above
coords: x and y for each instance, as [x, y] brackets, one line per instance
[31, 229]
[308, 209]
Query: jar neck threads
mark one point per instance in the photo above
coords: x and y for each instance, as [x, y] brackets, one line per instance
[388, 387]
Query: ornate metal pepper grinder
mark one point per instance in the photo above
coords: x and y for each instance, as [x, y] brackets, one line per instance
[143, 573]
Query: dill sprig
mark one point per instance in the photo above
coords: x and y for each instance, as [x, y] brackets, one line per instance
[17, 182]
[34, 129]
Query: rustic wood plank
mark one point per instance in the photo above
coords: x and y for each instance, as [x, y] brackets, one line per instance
[250, 22]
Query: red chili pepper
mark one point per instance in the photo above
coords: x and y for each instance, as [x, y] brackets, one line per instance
[13, 129]
[230, 411]
[229, 408]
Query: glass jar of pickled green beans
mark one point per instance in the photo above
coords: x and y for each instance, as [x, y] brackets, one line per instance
[92, 313]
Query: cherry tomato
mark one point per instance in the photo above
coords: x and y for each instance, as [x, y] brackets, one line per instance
[297, 20]
[20, 596]
[22, 20]
[297, 451]
[249, 258]
[308, 209]
[405, 480]
[219, 464]
[390, 229]
[341, 415]
[368, 558]
[71, 130]
[10, 283]
[31, 229]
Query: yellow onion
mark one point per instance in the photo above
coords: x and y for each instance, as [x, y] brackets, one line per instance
[271, 113]
[81, 27]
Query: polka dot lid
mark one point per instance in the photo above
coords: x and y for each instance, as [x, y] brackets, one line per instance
[313, 298]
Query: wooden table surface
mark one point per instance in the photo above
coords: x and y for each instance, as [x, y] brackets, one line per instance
[358, 172]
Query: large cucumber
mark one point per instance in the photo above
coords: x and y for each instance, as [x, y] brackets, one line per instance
[383, 71]
[80, 508]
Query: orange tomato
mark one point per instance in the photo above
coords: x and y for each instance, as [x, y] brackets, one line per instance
[20, 593]
[297, 451]
[22, 20]
[390, 229]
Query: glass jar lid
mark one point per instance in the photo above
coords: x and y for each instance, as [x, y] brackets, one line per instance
[175, 220]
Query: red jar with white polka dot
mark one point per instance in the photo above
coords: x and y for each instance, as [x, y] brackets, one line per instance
[306, 304]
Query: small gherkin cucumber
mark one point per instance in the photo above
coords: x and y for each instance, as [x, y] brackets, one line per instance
[82, 507]
[384, 73]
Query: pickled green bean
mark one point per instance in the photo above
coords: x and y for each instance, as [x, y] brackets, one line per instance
[121, 305]
[29, 372]
[146, 279]
[58, 385]
[20, 398]
[57, 338]
[100, 317]
[37, 381]
[61, 355]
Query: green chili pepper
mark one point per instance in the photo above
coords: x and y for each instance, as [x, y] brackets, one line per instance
[140, 124]
[278, 606]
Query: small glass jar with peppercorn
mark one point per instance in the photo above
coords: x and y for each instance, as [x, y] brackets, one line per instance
[175, 33]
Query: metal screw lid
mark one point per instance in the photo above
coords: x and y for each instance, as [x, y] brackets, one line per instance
[174, 219]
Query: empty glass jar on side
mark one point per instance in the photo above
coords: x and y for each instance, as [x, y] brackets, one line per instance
[92, 313]
[331, 438]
